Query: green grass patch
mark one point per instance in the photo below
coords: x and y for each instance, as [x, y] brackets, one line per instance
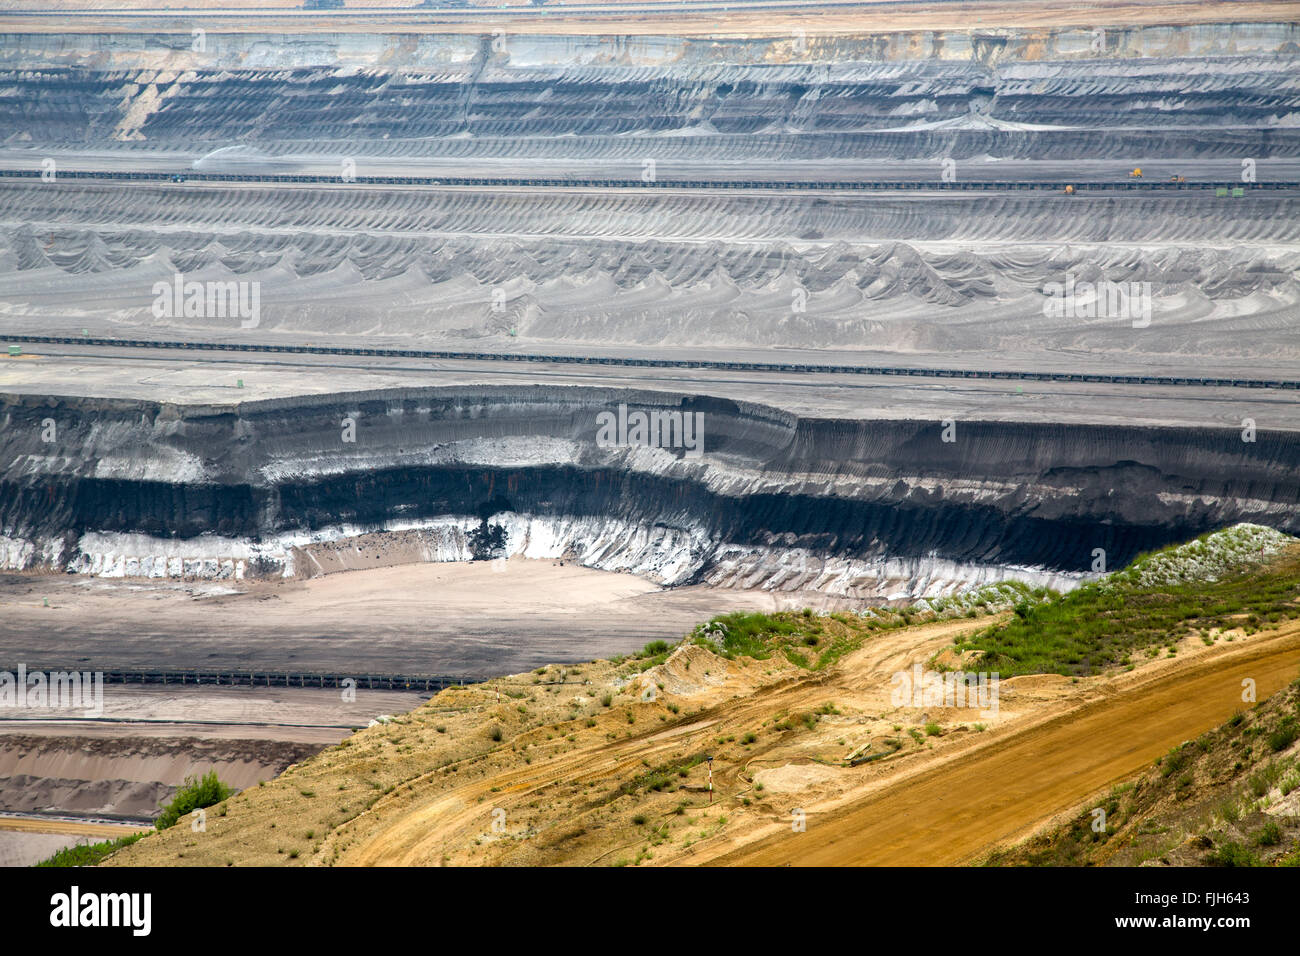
[660, 778]
[194, 794]
[1105, 623]
[89, 854]
[808, 641]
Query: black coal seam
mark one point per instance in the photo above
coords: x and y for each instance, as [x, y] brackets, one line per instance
[839, 527]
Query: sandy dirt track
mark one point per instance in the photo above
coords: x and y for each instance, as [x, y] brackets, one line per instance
[567, 775]
[420, 833]
[35, 825]
[951, 813]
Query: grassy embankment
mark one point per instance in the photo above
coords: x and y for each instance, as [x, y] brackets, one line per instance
[1215, 587]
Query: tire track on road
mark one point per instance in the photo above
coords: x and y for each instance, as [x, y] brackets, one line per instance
[951, 814]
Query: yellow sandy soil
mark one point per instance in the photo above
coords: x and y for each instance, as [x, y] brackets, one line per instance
[999, 794]
[103, 831]
[566, 783]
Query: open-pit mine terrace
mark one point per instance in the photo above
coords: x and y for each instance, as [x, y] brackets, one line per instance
[836, 248]
[827, 235]
[655, 195]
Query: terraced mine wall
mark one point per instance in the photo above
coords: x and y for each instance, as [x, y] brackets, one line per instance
[567, 269]
[136, 488]
[642, 268]
[1032, 93]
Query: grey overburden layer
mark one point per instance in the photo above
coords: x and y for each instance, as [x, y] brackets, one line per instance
[956, 276]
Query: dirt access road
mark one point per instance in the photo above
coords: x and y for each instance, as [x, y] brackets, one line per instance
[101, 831]
[956, 811]
[1053, 746]
[423, 831]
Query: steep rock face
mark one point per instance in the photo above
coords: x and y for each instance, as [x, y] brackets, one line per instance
[781, 96]
[770, 500]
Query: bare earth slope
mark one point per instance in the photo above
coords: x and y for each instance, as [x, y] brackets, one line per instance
[951, 814]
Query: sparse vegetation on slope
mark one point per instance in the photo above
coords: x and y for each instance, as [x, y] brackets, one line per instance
[814, 641]
[198, 792]
[195, 794]
[1213, 587]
